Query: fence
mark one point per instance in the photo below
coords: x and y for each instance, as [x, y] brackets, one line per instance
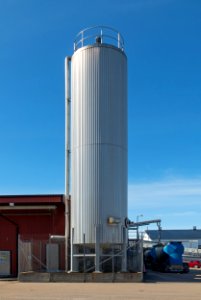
[40, 255]
[135, 260]
[43, 255]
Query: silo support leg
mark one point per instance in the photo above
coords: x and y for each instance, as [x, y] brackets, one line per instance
[74, 262]
[97, 251]
[97, 259]
[124, 254]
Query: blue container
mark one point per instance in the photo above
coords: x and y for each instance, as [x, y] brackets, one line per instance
[175, 251]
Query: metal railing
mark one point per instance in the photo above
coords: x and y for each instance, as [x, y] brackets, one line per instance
[111, 261]
[99, 34]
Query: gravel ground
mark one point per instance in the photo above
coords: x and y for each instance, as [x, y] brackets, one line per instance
[13, 290]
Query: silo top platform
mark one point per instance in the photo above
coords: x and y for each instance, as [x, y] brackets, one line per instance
[99, 35]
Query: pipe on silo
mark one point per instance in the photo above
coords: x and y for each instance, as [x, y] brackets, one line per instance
[67, 124]
[67, 156]
[67, 231]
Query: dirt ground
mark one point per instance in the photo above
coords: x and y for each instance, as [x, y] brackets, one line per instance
[13, 290]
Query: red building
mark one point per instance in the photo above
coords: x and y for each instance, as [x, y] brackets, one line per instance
[29, 220]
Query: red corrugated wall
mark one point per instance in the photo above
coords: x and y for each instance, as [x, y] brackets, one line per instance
[8, 241]
[30, 225]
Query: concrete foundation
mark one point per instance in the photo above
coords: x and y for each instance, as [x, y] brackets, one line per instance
[80, 277]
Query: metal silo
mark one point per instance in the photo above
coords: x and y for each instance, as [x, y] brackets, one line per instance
[98, 144]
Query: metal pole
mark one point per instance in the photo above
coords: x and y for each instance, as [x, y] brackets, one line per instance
[67, 153]
[142, 258]
[137, 220]
[67, 232]
[97, 249]
[19, 256]
[67, 124]
[84, 252]
[124, 252]
[72, 253]
[113, 259]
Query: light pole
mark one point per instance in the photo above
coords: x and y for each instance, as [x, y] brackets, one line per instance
[137, 220]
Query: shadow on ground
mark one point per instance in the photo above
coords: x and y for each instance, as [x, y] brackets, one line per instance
[194, 275]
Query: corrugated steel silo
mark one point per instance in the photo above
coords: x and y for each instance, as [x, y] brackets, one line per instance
[99, 138]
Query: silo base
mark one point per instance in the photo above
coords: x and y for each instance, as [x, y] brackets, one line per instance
[98, 258]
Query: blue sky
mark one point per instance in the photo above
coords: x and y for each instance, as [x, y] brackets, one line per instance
[163, 45]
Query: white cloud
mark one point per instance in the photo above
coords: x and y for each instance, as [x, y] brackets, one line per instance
[177, 202]
[165, 193]
[183, 214]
